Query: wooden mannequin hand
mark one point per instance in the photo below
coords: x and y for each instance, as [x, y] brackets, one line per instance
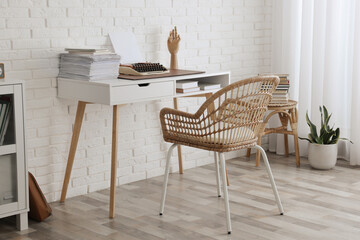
[173, 46]
[173, 41]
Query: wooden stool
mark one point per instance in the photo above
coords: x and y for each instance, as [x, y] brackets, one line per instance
[286, 112]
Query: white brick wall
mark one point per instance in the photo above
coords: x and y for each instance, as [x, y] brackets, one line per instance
[217, 35]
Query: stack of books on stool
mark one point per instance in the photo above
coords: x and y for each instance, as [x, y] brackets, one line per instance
[281, 94]
[187, 86]
[89, 64]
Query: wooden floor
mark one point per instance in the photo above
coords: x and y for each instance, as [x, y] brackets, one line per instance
[318, 205]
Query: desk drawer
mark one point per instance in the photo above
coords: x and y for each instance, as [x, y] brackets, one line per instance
[141, 92]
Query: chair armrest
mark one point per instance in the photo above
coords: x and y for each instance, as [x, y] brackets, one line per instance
[175, 112]
[177, 121]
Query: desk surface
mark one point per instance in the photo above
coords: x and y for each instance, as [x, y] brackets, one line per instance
[171, 73]
[122, 91]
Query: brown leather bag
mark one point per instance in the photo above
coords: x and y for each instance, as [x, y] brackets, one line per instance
[39, 207]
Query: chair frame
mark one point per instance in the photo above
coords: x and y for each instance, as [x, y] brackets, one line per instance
[236, 115]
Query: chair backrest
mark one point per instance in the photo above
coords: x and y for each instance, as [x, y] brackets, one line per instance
[234, 114]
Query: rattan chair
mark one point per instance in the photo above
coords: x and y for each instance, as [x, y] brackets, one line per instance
[227, 121]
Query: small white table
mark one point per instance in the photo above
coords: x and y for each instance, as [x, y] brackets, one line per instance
[116, 92]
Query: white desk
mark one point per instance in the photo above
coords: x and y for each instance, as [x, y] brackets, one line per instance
[116, 92]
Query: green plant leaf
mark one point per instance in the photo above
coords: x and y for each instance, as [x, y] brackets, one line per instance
[326, 124]
[347, 140]
[311, 138]
[322, 118]
[304, 139]
[335, 137]
[322, 132]
[327, 135]
[326, 113]
[322, 129]
[312, 128]
[326, 119]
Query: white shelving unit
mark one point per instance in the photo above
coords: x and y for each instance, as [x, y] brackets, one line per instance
[14, 190]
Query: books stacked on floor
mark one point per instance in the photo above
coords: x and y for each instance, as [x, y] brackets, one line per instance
[89, 64]
[187, 86]
[5, 113]
[281, 94]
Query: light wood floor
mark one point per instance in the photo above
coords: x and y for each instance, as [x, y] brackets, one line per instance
[318, 205]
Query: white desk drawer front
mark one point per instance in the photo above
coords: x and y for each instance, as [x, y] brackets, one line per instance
[141, 92]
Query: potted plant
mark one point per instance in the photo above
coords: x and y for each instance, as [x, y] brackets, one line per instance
[322, 147]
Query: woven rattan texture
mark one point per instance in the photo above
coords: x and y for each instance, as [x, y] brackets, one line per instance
[288, 105]
[229, 120]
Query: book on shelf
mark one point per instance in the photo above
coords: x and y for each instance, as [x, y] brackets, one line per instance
[284, 81]
[209, 86]
[186, 84]
[283, 87]
[281, 91]
[5, 113]
[187, 90]
[280, 96]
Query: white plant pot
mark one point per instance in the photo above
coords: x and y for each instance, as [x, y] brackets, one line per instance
[322, 156]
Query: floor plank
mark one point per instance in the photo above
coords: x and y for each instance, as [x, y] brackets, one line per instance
[318, 205]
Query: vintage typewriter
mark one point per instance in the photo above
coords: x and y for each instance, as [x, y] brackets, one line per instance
[142, 69]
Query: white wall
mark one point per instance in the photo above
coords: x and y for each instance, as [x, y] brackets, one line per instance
[217, 35]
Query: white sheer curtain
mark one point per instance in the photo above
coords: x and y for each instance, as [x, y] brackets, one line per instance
[318, 43]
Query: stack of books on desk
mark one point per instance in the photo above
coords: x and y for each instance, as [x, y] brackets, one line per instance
[89, 64]
[187, 86]
[281, 94]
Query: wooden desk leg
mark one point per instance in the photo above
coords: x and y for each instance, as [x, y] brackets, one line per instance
[296, 142]
[293, 123]
[258, 152]
[248, 152]
[74, 141]
[286, 145]
[227, 177]
[181, 171]
[114, 160]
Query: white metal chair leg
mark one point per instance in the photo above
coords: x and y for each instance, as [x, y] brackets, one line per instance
[273, 185]
[217, 173]
[225, 190]
[166, 177]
